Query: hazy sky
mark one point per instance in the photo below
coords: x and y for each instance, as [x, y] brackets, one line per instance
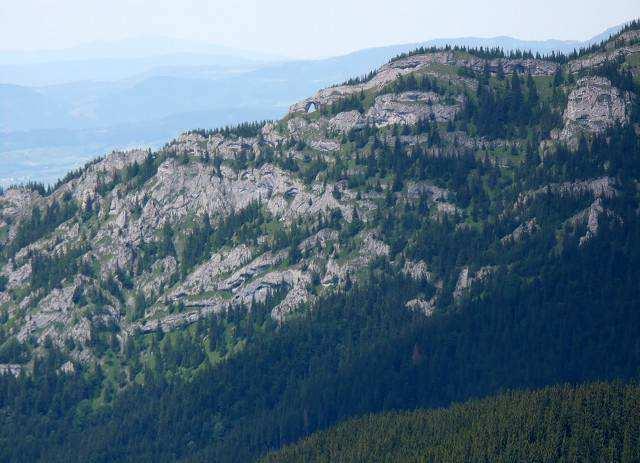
[301, 28]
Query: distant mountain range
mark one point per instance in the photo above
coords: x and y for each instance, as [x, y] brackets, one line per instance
[94, 98]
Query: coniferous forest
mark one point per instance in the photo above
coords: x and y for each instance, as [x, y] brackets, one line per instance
[589, 423]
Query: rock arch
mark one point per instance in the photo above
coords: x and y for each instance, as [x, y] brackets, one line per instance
[311, 107]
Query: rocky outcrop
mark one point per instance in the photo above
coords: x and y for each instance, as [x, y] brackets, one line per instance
[417, 270]
[591, 217]
[17, 276]
[54, 315]
[207, 277]
[296, 296]
[298, 126]
[408, 108]
[463, 283]
[598, 59]
[445, 208]
[417, 190]
[249, 271]
[593, 106]
[325, 145]
[346, 121]
[319, 241]
[603, 187]
[16, 202]
[10, 369]
[427, 307]
[337, 272]
[67, 368]
[261, 288]
[250, 289]
[271, 134]
[180, 191]
[521, 232]
[190, 143]
[466, 280]
[159, 276]
[231, 148]
[86, 187]
[171, 322]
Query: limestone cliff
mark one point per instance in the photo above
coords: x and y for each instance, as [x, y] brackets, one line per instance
[294, 207]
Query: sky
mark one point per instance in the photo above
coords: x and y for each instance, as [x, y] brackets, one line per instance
[299, 28]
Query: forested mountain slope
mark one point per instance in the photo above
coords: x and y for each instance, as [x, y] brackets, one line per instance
[458, 223]
[600, 422]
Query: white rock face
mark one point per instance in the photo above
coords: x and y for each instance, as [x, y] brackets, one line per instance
[10, 369]
[17, 201]
[152, 283]
[410, 107]
[445, 208]
[246, 273]
[466, 279]
[15, 204]
[191, 144]
[56, 311]
[127, 217]
[19, 276]
[521, 232]
[179, 191]
[593, 106]
[591, 217]
[173, 321]
[54, 308]
[68, 368]
[325, 145]
[602, 187]
[320, 240]
[417, 270]
[337, 272]
[271, 135]
[86, 187]
[346, 121]
[421, 305]
[206, 277]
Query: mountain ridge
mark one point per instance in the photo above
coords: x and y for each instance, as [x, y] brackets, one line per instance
[88, 106]
[457, 223]
[388, 100]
